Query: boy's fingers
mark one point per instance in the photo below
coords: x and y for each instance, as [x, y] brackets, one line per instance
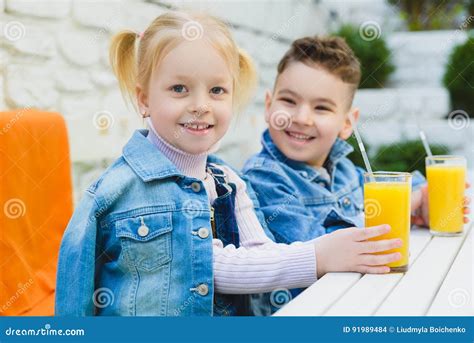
[468, 185]
[466, 220]
[383, 245]
[377, 260]
[373, 270]
[371, 232]
[466, 210]
[417, 221]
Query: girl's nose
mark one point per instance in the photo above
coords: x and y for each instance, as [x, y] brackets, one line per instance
[200, 106]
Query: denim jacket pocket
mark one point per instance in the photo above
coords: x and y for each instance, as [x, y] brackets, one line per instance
[146, 240]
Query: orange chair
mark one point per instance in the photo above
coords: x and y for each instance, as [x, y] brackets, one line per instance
[35, 207]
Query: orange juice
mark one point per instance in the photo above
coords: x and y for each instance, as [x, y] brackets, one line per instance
[388, 202]
[446, 183]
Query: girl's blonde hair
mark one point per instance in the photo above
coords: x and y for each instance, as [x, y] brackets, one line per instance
[134, 64]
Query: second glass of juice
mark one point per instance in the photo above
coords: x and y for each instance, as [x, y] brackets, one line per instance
[446, 184]
[387, 200]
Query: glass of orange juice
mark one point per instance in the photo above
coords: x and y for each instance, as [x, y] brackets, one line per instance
[387, 200]
[446, 183]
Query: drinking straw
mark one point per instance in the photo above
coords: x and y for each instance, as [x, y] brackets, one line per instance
[362, 150]
[423, 139]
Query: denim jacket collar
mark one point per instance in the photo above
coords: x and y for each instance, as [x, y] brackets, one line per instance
[339, 150]
[146, 160]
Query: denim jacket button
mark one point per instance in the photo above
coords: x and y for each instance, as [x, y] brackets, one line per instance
[346, 202]
[203, 232]
[143, 230]
[203, 289]
[196, 187]
[304, 174]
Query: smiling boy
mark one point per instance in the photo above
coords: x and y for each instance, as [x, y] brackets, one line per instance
[306, 185]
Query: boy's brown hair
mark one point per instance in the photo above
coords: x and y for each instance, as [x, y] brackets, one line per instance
[331, 53]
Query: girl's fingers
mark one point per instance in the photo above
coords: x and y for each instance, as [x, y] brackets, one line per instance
[370, 232]
[372, 269]
[466, 220]
[466, 201]
[378, 260]
[468, 185]
[466, 210]
[382, 245]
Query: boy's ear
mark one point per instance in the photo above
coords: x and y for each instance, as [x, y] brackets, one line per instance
[268, 104]
[142, 99]
[351, 119]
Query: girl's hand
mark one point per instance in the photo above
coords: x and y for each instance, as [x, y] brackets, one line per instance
[348, 250]
[420, 211]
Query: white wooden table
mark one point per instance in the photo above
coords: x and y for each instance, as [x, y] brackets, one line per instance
[439, 282]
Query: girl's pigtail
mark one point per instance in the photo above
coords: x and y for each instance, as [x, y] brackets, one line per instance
[122, 56]
[247, 80]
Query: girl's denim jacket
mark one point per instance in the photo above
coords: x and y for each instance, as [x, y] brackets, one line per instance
[132, 246]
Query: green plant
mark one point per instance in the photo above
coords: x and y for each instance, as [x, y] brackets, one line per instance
[405, 156]
[431, 14]
[372, 52]
[459, 76]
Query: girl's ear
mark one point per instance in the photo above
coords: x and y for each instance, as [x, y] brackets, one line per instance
[268, 104]
[142, 101]
[350, 120]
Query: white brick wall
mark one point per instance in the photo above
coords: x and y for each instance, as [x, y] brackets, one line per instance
[421, 57]
[54, 55]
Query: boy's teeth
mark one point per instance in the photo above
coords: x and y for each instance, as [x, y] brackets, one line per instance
[298, 136]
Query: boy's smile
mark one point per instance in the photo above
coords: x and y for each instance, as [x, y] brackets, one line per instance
[307, 111]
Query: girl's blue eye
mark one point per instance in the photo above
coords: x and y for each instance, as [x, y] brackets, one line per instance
[217, 90]
[179, 88]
